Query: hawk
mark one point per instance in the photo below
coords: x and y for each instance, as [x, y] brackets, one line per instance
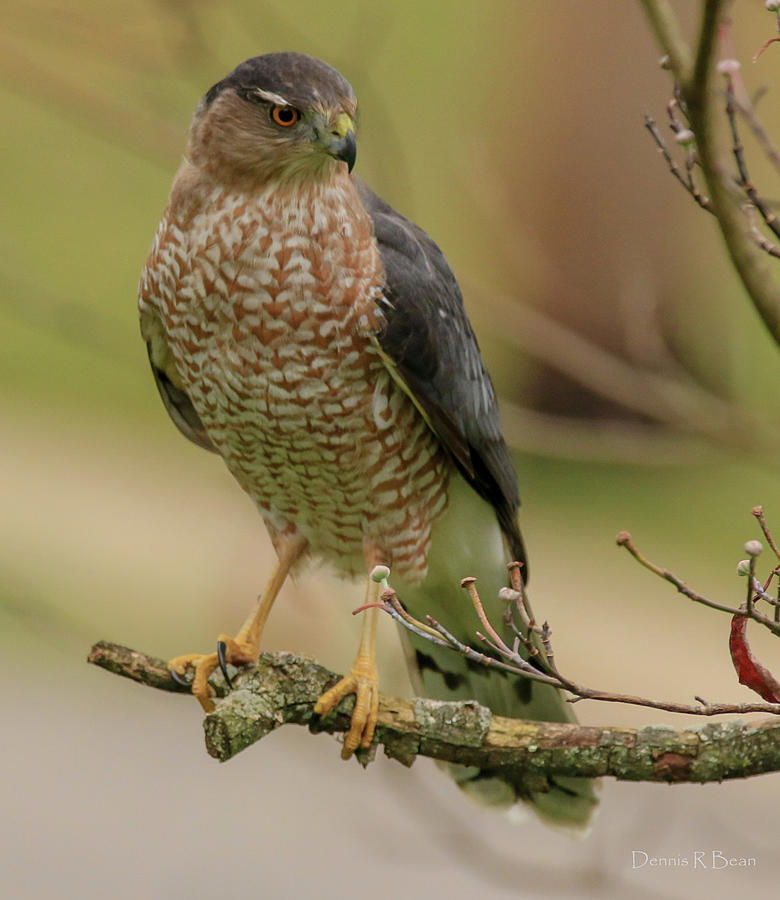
[316, 340]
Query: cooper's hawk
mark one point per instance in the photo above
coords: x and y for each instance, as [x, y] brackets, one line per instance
[316, 339]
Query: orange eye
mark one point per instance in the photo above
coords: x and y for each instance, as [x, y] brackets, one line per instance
[285, 115]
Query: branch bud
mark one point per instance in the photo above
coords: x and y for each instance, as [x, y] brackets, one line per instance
[380, 574]
[772, 5]
[754, 548]
[743, 567]
[664, 62]
[728, 66]
[685, 137]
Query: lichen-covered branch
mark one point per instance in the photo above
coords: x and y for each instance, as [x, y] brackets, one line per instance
[283, 688]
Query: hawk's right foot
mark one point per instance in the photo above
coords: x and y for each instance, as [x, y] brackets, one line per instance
[244, 648]
[230, 650]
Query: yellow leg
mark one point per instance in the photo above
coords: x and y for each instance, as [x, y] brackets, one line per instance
[244, 648]
[363, 679]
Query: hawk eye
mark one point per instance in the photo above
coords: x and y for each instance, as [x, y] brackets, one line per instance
[284, 115]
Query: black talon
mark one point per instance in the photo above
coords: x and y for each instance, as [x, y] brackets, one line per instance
[221, 647]
[180, 679]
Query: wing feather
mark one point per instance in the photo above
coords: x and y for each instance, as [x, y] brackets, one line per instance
[430, 348]
[175, 398]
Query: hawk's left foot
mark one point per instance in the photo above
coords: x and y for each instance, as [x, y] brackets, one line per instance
[363, 682]
[363, 678]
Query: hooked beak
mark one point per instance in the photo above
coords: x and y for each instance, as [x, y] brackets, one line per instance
[341, 143]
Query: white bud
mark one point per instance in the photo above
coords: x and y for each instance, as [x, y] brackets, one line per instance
[728, 66]
[685, 137]
[772, 5]
[380, 573]
[664, 62]
[743, 567]
[753, 548]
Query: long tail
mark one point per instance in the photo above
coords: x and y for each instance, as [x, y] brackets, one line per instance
[467, 541]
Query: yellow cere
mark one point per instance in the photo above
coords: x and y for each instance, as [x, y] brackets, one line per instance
[343, 125]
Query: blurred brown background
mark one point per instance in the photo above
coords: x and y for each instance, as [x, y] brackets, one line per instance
[511, 131]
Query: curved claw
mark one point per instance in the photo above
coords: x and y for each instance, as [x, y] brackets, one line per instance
[221, 653]
[180, 679]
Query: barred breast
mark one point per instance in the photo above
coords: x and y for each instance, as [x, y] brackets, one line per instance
[268, 304]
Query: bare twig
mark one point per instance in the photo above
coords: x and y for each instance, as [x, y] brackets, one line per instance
[760, 591]
[774, 40]
[688, 182]
[544, 668]
[749, 114]
[437, 634]
[756, 236]
[537, 661]
[743, 178]
[624, 540]
[470, 584]
[758, 512]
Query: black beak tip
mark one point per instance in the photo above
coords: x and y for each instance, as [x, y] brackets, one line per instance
[346, 150]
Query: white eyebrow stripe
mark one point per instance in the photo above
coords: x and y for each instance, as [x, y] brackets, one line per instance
[271, 97]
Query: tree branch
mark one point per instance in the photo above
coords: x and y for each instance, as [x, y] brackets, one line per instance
[669, 37]
[283, 689]
[698, 98]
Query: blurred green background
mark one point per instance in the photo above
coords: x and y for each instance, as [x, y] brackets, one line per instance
[638, 389]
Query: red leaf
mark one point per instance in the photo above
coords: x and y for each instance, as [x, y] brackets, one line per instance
[749, 670]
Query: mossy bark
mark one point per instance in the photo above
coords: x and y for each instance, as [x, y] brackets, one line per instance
[283, 688]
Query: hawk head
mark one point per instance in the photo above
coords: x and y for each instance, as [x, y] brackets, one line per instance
[279, 117]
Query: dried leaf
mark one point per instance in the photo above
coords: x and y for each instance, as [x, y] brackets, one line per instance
[749, 670]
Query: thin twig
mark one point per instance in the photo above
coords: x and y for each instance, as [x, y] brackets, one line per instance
[749, 114]
[518, 667]
[755, 234]
[687, 183]
[437, 634]
[390, 604]
[758, 512]
[624, 540]
[513, 662]
[743, 179]
[760, 591]
[470, 585]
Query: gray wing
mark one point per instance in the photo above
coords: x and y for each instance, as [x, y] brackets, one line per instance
[429, 340]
